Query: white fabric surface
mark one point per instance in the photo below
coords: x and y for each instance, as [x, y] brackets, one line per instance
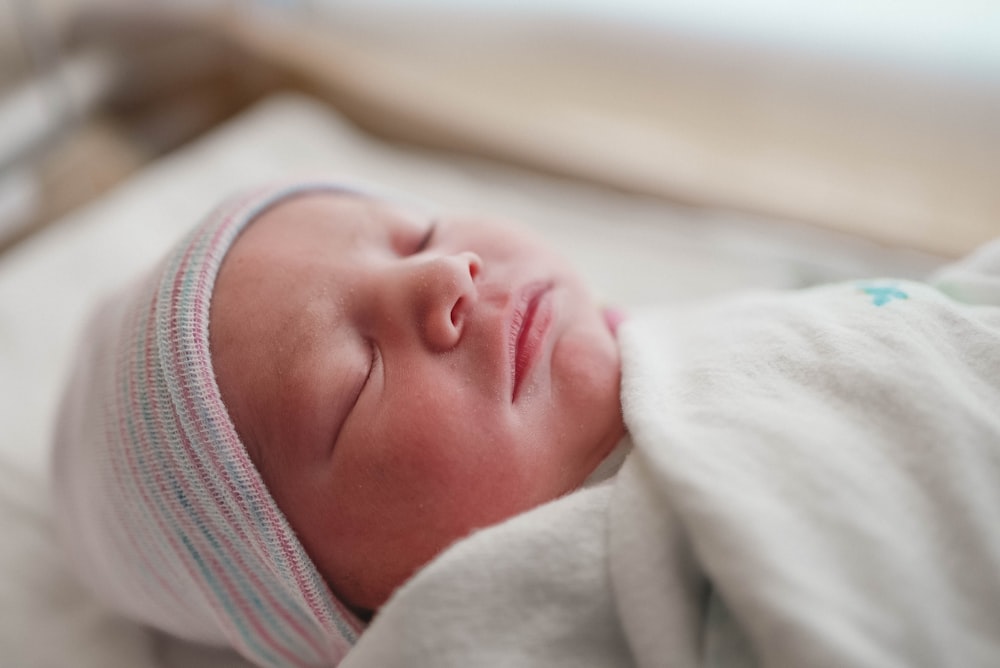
[835, 464]
[636, 250]
[815, 482]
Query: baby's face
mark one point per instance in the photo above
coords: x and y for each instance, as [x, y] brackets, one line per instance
[400, 381]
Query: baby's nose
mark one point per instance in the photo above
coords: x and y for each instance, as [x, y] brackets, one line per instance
[450, 291]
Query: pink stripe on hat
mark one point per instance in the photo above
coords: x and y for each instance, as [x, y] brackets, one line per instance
[164, 514]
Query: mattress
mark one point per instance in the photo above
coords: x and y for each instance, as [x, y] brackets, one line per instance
[634, 251]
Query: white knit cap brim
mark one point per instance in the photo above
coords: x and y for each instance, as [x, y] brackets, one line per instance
[163, 512]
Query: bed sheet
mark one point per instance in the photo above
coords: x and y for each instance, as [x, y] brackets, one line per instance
[634, 250]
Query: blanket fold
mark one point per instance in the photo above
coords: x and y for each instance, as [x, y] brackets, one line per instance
[533, 591]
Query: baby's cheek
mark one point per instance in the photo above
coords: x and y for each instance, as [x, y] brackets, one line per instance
[587, 389]
[587, 358]
[465, 479]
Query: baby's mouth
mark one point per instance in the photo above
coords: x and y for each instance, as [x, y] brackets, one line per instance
[529, 325]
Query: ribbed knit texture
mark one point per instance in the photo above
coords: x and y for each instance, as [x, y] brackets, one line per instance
[162, 511]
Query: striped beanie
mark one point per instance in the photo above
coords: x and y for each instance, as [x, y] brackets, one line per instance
[160, 507]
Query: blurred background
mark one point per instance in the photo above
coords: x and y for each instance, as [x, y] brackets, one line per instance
[675, 150]
[873, 117]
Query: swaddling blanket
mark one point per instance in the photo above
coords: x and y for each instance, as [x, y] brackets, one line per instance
[815, 481]
[833, 456]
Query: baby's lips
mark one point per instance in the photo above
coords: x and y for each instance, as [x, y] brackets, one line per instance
[614, 316]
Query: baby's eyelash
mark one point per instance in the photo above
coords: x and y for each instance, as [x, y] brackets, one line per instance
[374, 361]
[426, 239]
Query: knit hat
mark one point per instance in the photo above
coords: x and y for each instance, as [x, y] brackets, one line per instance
[160, 507]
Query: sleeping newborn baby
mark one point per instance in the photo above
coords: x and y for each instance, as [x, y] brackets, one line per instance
[316, 393]
[300, 417]
[399, 381]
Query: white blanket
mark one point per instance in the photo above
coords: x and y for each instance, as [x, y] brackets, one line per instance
[815, 482]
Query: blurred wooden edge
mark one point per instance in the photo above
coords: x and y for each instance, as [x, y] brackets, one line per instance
[411, 103]
[406, 105]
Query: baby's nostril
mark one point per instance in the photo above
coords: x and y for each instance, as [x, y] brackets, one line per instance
[456, 311]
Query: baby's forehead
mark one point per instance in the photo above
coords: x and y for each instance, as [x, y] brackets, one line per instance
[346, 217]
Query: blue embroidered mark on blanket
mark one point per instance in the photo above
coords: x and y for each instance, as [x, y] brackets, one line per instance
[882, 294]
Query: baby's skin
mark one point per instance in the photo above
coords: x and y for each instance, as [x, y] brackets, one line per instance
[401, 381]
